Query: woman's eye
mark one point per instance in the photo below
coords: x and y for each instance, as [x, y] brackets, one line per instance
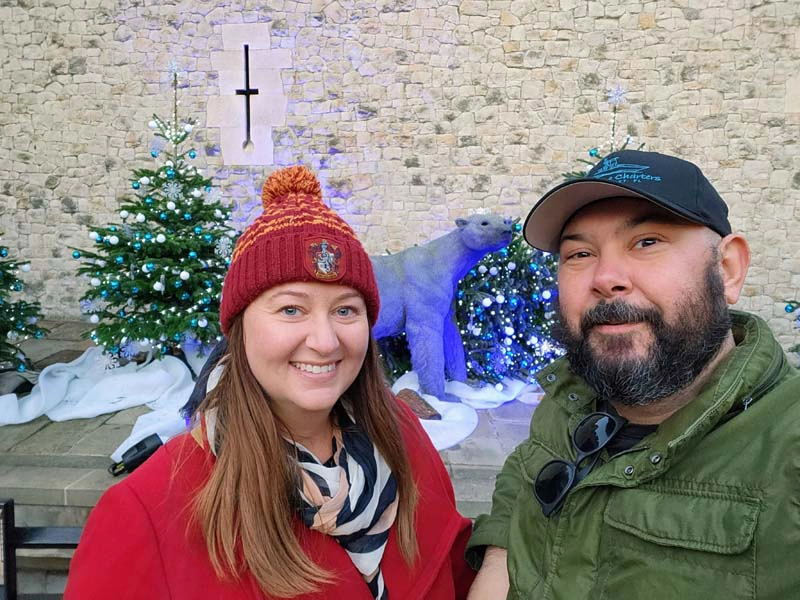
[345, 311]
[290, 311]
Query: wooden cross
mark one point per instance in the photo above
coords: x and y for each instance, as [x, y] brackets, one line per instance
[247, 145]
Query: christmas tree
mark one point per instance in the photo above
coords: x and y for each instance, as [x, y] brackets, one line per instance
[792, 307]
[505, 308]
[18, 320]
[155, 277]
[616, 98]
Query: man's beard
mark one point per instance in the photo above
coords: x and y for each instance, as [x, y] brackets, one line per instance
[678, 353]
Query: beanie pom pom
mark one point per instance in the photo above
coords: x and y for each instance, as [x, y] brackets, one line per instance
[291, 180]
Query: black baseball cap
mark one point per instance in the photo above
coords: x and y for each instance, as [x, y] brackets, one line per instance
[672, 183]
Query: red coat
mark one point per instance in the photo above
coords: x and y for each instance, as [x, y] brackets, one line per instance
[138, 543]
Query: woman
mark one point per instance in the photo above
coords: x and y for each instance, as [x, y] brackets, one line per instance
[303, 477]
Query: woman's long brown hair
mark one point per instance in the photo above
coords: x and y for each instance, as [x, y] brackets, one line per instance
[247, 508]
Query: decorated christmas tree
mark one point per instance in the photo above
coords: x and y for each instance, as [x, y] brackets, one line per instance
[155, 276]
[616, 98]
[505, 308]
[793, 308]
[18, 318]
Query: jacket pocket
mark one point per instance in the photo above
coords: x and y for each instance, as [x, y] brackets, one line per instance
[668, 542]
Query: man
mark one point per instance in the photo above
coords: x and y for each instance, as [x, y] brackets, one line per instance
[664, 458]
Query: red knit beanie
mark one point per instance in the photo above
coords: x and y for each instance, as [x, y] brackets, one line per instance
[297, 238]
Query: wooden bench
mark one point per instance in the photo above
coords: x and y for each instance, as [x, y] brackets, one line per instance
[17, 538]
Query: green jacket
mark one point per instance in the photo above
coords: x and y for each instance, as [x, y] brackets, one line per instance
[707, 506]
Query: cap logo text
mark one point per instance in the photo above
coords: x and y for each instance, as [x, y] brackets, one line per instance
[612, 170]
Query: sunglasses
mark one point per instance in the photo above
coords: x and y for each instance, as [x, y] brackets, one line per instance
[556, 478]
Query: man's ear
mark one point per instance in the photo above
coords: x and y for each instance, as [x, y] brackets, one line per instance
[734, 260]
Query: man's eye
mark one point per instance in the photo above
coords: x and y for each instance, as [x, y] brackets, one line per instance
[646, 242]
[577, 255]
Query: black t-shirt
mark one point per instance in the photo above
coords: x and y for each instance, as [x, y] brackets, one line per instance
[629, 435]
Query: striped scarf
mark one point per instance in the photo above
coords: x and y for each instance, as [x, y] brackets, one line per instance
[352, 497]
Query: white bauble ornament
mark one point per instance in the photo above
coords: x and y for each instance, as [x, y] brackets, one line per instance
[170, 205]
[95, 281]
[94, 319]
[158, 286]
[124, 214]
[114, 240]
[202, 323]
[184, 275]
[140, 218]
[161, 238]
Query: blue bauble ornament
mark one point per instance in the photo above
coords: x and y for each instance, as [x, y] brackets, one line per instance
[193, 322]
[17, 286]
[154, 153]
[185, 296]
[104, 293]
[134, 290]
[503, 251]
[208, 283]
[148, 236]
[192, 254]
[148, 200]
[518, 227]
[114, 349]
[187, 216]
[150, 266]
[114, 285]
[198, 230]
[594, 152]
[208, 188]
[121, 313]
[112, 228]
[178, 283]
[21, 368]
[788, 308]
[154, 306]
[208, 238]
[192, 154]
[39, 334]
[478, 310]
[3, 252]
[177, 337]
[76, 254]
[170, 173]
[163, 350]
[137, 245]
[205, 300]
[135, 185]
[162, 216]
[119, 260]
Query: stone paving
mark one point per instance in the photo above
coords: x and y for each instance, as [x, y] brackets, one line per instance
[57, 471]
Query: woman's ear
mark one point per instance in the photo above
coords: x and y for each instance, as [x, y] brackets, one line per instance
[734, 260]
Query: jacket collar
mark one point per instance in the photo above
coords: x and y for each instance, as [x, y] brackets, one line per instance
[741, 378]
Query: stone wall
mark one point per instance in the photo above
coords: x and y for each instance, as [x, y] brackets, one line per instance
[412, 112]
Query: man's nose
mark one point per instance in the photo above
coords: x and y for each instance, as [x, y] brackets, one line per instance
[611, 277]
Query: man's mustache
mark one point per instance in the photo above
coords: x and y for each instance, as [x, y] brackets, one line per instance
[618, 313]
